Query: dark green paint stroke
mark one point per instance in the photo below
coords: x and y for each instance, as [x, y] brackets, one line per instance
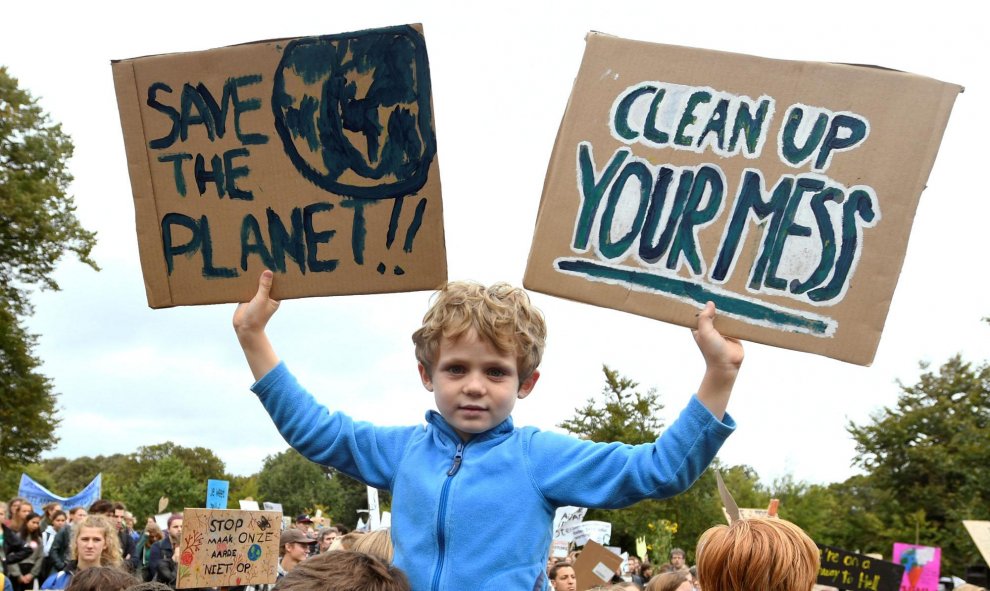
[592, 189]
[613, 249]
[697, 293]
[620, 121]
[414, 226]
[794, 154]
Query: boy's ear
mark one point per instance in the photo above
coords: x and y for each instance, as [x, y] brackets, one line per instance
[425, 376]
[528, 384]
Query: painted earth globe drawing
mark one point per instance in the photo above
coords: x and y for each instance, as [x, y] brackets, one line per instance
[254, 552]
[354, 111]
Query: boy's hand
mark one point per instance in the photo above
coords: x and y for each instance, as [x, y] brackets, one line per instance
[250, 320]
[723, 357]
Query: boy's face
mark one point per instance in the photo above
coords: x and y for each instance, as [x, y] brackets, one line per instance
[475, 386]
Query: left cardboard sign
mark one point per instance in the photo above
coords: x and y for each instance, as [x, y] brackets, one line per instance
[224, 548]
[315, 157]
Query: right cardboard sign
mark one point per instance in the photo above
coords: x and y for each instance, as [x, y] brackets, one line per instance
[782, 191]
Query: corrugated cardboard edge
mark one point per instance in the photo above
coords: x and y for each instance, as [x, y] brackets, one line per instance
[139, 169]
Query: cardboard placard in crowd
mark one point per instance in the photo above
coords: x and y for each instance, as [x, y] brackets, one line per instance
[226, 547]
[595, 565]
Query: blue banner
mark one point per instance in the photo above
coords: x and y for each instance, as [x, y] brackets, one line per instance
[38, 495]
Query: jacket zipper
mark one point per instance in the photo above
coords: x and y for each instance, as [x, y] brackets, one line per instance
[441, 516]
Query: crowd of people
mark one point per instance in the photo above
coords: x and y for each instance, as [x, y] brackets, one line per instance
[98, 549]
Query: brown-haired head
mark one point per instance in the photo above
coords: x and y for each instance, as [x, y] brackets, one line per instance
[668, 581]
[101, 578]
[343, 570]
[765, 554]
[501, 315]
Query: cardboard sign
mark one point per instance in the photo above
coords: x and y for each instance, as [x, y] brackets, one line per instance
[980, 532]
[314, 157]
[216, 494]
[597, 531]
[847, 570]
[596, 565]
[921, 566]
[223, 548]
[565, 520]
[782, 191]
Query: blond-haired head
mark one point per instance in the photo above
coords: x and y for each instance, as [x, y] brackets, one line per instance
[111, 555]
[765, 554]
[502, 315]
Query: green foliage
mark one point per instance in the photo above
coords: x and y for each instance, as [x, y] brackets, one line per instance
[302, 486]
[624, 414]
[168, 477]
[27, 404]
[37, 225]
[928, 461]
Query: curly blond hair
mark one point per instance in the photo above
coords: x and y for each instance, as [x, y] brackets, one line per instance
[501, 314]
[768, 554]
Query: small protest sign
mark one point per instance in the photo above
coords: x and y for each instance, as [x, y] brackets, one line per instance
[597, 531]
[922, 565]
[216, 494]
[565, 520]
[224, 548]
[595, 565]
[314, 157]
[782, 191]
[980, 532]
[857, 572]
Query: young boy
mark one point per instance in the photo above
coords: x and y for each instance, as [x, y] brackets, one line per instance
[473, 498]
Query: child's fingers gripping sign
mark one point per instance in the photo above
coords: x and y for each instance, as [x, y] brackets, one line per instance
[716, 349]
[255, 314]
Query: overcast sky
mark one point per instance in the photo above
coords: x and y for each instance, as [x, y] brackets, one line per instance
[502, 72]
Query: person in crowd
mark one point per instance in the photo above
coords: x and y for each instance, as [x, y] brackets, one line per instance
[60, 551]
[25, 572]
[129, 522]
[633, 567]
[562, 577]
[625, 586]
[769, 554]
[12, 549]
[102, 578]
[304, 523]
[343, 570]
[326, 538]
[347, 541]
[646, 571]
[676, 580]
[19, 515]
[142, 551]
[294, 547]
[478, 351]
[5, 582]
[55, 524]
[163, 555]
[94, 543]
[678, 559]
[377, 543]
[47, 511]
[12, 507]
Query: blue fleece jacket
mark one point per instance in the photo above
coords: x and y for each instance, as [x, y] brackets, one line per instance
[477, 515]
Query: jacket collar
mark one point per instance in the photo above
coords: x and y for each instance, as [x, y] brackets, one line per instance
[435, 419]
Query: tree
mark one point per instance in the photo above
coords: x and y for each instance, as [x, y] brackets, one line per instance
[37, 226]
[624, 414]
[929, 460]
[168, 477]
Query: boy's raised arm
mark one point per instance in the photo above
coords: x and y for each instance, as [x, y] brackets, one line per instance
[723, 357]
[250, 320]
